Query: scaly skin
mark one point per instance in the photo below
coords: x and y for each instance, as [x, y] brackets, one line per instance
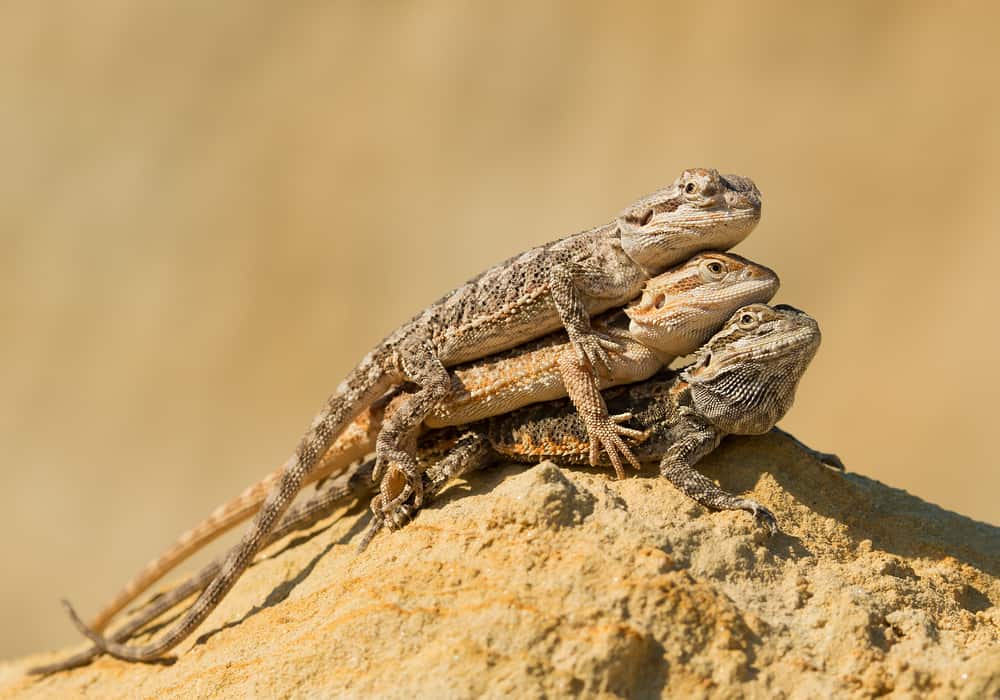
[678, 310]
[743, 382]
[558, 285]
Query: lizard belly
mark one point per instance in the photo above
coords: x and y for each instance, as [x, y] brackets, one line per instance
[552, 431]
[530, 375]
[500, 385]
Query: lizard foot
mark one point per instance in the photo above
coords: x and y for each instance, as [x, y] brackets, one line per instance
[762, 515]
[405, 464]
[400, 516]
[607, 435]
[594, 348]
[391, 518]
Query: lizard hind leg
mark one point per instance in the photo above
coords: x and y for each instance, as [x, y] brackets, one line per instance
[470, 452]
[394, 446]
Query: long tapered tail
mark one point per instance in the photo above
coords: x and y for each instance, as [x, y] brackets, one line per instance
[357, 440]
[318, 507]
[369, 381]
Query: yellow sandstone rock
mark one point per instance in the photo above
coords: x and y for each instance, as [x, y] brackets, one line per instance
[548, 582]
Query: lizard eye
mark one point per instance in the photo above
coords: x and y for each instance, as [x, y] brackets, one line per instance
[690, 188]
[748, 321]
[646, 218]
[712, 270]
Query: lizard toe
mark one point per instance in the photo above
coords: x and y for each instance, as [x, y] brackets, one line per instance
[765, 518]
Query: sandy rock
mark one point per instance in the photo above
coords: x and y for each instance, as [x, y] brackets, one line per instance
[549, 582]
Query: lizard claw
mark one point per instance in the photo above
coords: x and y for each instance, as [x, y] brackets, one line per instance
[637, 435]
[400, 516]
[394, 504]
[415, 485]
[401, 510]
[831, 460]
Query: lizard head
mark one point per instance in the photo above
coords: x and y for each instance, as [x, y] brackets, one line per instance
[680, 309]
[701, 210]
[744, 378]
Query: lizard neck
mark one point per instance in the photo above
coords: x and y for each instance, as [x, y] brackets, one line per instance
[744, 405]
[642, 253]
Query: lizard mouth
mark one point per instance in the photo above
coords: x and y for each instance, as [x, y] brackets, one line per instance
[695, 224]
[701, 362]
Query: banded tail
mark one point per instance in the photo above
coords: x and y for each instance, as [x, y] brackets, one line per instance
[357, 440]
[367, 383]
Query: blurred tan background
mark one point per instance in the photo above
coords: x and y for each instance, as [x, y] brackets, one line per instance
[209, 211]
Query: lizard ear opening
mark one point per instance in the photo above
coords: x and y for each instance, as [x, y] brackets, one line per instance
[646, 217]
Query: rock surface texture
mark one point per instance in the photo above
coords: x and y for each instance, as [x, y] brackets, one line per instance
[548, 582]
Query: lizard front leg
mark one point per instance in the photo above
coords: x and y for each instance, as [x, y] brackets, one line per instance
[677, 466]
[604, 431]
[591, 347]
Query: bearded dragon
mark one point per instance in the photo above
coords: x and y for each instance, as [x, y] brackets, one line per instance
[677, 311]
[742, 382]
